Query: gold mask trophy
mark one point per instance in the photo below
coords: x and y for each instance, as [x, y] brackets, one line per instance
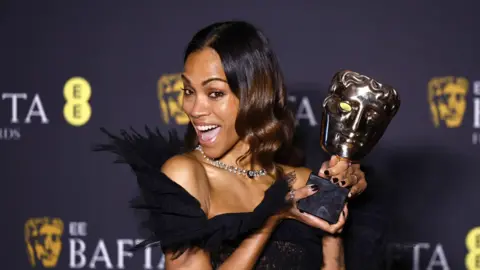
[356, 114]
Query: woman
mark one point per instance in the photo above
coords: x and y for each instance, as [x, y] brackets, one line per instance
[225, 201]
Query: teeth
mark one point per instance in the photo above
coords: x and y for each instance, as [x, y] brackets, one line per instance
[205, 128]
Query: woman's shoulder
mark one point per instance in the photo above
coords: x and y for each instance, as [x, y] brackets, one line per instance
[188, 172]
[299, 175]
[184, 164]
[153, 152]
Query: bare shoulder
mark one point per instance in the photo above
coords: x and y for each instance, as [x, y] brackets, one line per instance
[300, 175]
[189, 173]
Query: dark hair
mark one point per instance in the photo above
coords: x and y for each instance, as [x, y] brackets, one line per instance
[254, 76]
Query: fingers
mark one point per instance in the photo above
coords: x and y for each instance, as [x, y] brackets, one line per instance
[338, 227]
[347, 174]
[327, 164]
[301, 193]
[324, 225]
[314, 221]
[325, 172]
[333, 161]
[344, 179]
[338, 168]
[360, 186]
[324, 167]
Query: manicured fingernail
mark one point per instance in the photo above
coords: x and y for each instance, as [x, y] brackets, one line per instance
[314, 187]
[326, 172]
[301, 211]
[335, 180]
[343, 213]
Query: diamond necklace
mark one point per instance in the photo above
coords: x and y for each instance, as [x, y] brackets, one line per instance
[232, 169]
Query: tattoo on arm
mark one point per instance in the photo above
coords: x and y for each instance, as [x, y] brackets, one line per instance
[291, 177]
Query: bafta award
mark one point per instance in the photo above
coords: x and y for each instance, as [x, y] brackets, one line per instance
[356, 113]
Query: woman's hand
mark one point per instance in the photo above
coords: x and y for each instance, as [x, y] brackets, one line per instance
[292, 212]
[344, 174]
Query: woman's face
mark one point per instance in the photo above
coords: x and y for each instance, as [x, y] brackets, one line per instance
[209, 102]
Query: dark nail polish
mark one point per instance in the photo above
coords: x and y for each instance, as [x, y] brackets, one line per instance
[335, 180]
[343, 183]
[326, 172]
[314, 187]
[343, 213]
[301, 211]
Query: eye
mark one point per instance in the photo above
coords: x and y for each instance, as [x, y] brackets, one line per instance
[187, 91]
[345, 107]
[216, 94]
[373, 116]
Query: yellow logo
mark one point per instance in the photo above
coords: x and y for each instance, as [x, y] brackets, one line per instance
[77, 92]
[170, 96]
[447, 99]
[43, 240]
[472, 241]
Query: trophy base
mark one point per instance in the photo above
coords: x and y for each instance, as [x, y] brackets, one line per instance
[327, 203]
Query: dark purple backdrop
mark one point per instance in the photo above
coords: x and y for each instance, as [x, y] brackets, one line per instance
[424, 178]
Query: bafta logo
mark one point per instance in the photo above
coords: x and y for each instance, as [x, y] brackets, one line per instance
[447, 99]
[170, 96]
[43, 240]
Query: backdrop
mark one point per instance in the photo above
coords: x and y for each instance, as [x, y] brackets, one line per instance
[68, 69]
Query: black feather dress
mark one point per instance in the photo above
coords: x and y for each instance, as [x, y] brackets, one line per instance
[176, 221]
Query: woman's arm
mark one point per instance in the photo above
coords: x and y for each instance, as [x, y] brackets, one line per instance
[244, 257]
[333, 254]
[248, 253]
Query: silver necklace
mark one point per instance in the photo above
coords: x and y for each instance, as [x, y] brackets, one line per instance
[232, 169]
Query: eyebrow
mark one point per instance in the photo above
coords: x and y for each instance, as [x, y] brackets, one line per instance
[206, 81]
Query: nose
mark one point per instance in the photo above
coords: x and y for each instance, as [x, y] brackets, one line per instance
[200, 108]
[48, 243]
[357, 119]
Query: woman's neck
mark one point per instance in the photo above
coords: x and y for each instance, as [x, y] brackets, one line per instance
[237, 151]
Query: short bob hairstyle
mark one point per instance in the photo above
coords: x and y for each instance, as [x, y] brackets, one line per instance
[255, 77]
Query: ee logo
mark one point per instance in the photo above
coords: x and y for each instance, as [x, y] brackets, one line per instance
[77, 92]
[472, 241]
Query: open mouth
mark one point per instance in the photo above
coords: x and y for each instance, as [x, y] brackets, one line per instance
[344, 139]
[207, 133]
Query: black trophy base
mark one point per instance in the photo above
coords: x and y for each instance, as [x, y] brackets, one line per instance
[327, 203]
